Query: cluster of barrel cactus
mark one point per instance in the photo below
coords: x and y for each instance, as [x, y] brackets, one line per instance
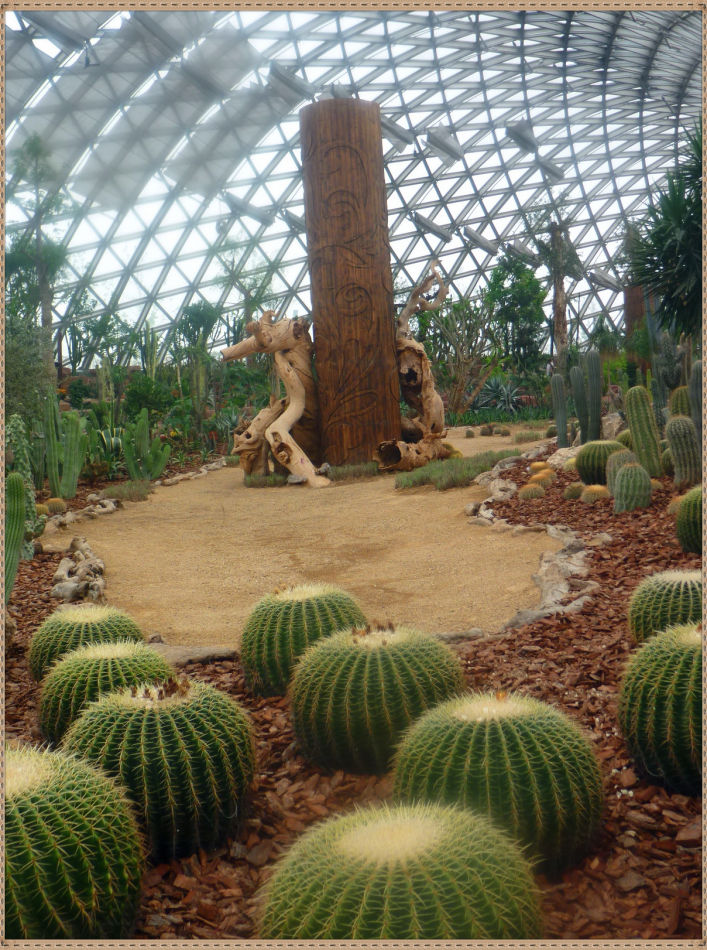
[592, 458]
[689, 521]
[663, 600]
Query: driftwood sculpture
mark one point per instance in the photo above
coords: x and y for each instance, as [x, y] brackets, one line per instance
[289, 426]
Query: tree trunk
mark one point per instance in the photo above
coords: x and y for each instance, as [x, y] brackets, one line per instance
[405, 456]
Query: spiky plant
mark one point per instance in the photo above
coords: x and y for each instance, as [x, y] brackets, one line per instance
[14, 527]
[591, 494]
[90, 671]
[592, 458]
[535, 467]
[685, 451]
[402, 872]
[73, 853]
[695, 398]
[666, 462]
[615, 461]
[282, 626]
[579, 394]
[656, 484]
[644, 431]
[624, 437]
[519, 761]
[663, 600]
[42, 509]
[559, 408]
[689, 521]
[544, 479]
[632, 488]
[573, 491]
[353, 694]
[592, 362]
[56, 506]
[551, 431]
[680, 402]
[570, 465]
[74, 625]
[185, 754]
[660, 708]
[530, 491]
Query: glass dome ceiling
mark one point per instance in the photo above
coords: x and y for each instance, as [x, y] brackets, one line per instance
[175, 136]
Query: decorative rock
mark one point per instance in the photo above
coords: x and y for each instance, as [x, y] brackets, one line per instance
[558, 458]
[611, 425]
[181, 655]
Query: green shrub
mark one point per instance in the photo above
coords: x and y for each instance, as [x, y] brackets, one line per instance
[353, 694]
[130, 490]
[664, 600]
[660, 708]
[632, 488]
[282, 625]
[519, 761]
[531, 491]
[591, 494]
[73, 854]
[89, 671]
[592, 458]
[689, 521]
[527, 436]
[415, 872]
[185, 754]
[451, 473]
[232, 461]
[345, 473]
[74, 625]
[272, 480]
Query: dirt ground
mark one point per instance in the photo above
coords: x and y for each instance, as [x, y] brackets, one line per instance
[191, 561]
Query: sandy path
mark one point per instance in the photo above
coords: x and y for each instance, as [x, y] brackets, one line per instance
[191, 561]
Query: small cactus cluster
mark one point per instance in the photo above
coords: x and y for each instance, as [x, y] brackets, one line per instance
[592, 458]
[73, 853]
[660, 708]
[663, 600]
[530, 491]
[614, 463]
[684, 450]
[632, 488]
[573, 491]
[353, 694]
[184, 753]
[591, 494]
[521, 762]
[645, 436]
[689, 521]
[56, 506]
[74, 625]
[402, 872]
[90, 671]
[282, 626]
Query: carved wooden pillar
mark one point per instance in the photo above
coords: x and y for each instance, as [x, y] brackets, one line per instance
[352, 287]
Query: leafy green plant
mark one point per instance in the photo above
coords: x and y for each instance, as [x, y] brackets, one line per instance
[663, 600]
[451, 473]
[73, 853]
[144, 459]
[402, 872]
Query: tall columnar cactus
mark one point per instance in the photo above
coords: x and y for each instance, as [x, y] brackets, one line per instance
[644, 432]
[185, 754]
[685, 451]
[663, 600]
[37, 454]
[632, 488]
[144, 459]
[14, 527]
[73, 854]
[579, 395]
[660, 708]
[689, 521]
[593, 364]
[519, 761]
[694, 391]
[353, 694]
[668, 363]
[90, 671]
[615, 461]
[660, 408]
[282, 626]
[67, 446]
[680, 402]
[74, 625]
[592, 458]
[16, 438]
[559, 408]
[402, 872]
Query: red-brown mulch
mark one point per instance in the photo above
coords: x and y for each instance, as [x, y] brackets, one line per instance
[643, 878]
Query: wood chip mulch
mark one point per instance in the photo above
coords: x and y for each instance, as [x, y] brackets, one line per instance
[643, 878]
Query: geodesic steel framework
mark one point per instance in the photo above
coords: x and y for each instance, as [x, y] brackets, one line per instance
[175, 136]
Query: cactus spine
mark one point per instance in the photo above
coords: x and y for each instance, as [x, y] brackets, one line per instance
[689, 521]
[86, 673]
[74, 625]
[592, 458]
[615, 461]
[644, 432]
[354, 693]
[633, 488]
[559, 408]
[663, 600]
[282, 626]
[73, 855]
[579, 394]
[14, 527]
[475, 750]
[685, 452]
[694, 391]
[660, 708]
[593, 364]
[144, 460]
[402, 872]
[185, 754]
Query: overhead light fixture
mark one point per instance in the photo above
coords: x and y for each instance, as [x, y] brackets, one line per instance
[479, 241]
[550, 169]
[293, 221]
[603, 278]
[426, 225]
[287, 86]
[240, 207]
[522, 134]
[396, 134]
[443, 142]
[518, 249]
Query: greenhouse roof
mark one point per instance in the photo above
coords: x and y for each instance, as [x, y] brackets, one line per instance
[175, 138]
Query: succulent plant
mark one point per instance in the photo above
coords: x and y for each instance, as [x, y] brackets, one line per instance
[184, 753]
[679, 402]
[594, 493]
[592, 458]
[402, 872]
[551, 431]
[573, 491]
[666, 462]
[14, 527]
[544, 477]
[144, 459]
[663, 600]
[521, 762]
[579, 395]
[73, 853]
[624, 437]
[656, 484]
[559, 408]
[644, 432]
[614, 463]
[694, 387]
[353, 694]
[90, 671]
[660, 708]
[689, 521]
[486, 430]
[685, 451]
[632, 488]
[530, 491]
[74, 625]
[56, 506]
[592, 362]
[469, 434]
[42, 510]
[539, 467]
[570, 465]
[16, 440]
[282, 626]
